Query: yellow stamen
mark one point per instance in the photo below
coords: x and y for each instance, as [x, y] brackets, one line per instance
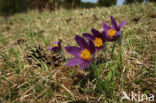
[111, 32]
[85, 54]
[98, 42]
[55, 45]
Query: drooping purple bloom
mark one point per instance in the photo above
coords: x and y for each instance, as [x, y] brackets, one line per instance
[98, 38]
[56, 47]
[84, 54]
[113, 33]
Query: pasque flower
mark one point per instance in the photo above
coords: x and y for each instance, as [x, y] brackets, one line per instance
[98, 38]
[56, 47]
[112, 33]
[84, 54]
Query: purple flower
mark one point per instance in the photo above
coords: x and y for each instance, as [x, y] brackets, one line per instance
[97, 38]
[112, 33]
[83, 54]
[56, 47]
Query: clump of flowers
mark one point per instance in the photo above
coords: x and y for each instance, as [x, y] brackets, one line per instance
[84, 54]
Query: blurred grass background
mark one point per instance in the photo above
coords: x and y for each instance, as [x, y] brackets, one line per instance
[8, 7]
[21, 82]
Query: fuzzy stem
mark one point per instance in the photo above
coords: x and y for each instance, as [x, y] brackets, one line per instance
[93, 70]
[105, 49]
[62, 53]
[113, 49]
[120, 43]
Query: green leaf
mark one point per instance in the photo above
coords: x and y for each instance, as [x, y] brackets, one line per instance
[110, 75]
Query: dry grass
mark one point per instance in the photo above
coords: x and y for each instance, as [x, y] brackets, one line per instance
[22, 82]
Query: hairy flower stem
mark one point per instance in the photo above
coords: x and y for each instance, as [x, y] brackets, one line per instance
[104, 50]
[120, 44]
[93, 70]
[62, 54]
[113, 49]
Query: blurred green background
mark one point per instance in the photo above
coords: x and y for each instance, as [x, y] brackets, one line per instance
[9, 7]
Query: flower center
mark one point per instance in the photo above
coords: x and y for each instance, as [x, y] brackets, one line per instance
[55, 45]
[98, 42]
[85, 54]
[111, 32]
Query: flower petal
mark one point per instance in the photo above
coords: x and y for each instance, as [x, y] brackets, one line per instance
[114, 24]
[117, 34]
[114, 38]
[54, 49]
[50, 48]
[84, 65]
[91, 46]
[96, 32]
[88, 36]
[73, 50]
[97, 49]
[81, 42]
[75, 61]
[122, 24]
[56, 43]
[59, 44]
[103, 33]
[106, 26]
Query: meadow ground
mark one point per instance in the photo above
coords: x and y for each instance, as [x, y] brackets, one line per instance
[30, 79]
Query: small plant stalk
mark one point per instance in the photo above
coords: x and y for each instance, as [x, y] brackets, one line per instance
[93, 70]
[113, 49]
[104, 50]
[62, 54]
[120, 44]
